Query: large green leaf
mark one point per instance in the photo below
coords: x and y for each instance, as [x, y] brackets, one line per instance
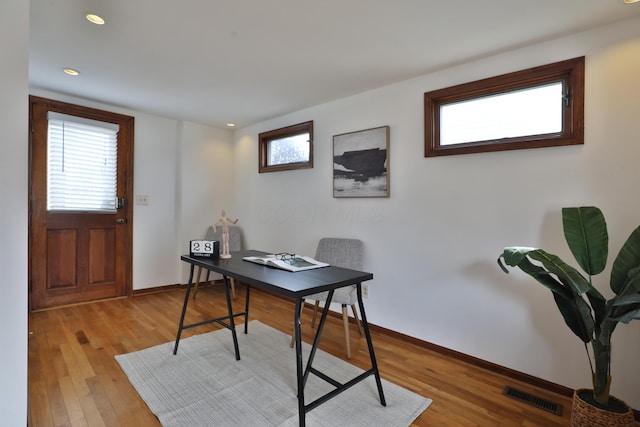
[512, 255]
[598, 304]
[633, 313]
[574, 309]
[585, 231]
[625, 308]
[577, 316]
[628, 260]
[516, 257]
[566, 273]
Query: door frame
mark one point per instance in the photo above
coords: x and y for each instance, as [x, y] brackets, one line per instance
[127, 129]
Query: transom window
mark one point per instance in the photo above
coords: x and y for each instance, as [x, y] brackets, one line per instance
[538, 107]
[286, 148]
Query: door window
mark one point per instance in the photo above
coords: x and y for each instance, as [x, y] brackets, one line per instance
[81, 164]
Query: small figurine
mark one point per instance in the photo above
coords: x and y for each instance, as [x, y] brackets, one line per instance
[224, 253]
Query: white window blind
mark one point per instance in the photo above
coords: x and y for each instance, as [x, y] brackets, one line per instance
[81, 165]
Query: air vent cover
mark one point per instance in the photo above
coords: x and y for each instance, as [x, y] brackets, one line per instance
[538, 402]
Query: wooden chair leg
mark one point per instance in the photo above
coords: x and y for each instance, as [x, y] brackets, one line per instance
[195, 289]
[315, 314]
[345, 318]
[355, 316]
[293, 334]
[232, 282]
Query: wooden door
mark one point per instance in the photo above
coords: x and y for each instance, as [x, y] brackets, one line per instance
[77, 256]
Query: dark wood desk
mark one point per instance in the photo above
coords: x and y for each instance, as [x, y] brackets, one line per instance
[293, 285]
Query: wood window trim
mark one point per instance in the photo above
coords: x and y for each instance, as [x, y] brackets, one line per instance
[265, 138]
[570, 71]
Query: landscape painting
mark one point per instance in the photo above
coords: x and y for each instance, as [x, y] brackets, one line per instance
[361, 163]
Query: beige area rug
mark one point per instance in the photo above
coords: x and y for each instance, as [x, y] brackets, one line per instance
[203, 385]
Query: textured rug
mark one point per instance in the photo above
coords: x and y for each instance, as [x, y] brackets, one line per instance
[203, 385]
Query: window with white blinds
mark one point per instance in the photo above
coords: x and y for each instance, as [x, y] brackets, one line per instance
[81, 164]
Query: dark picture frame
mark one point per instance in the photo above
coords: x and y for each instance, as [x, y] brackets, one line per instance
[361, 163]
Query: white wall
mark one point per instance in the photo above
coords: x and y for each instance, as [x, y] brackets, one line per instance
[433, 245]
[14, 48]
[205, 180]
[185, 169]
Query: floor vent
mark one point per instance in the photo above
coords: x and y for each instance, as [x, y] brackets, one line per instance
[538, 402]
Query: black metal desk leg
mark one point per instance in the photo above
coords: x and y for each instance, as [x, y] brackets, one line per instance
[316, 339]
[367, 334]
[246, 310]
[227, 291]
[184, 309]
[297, 333]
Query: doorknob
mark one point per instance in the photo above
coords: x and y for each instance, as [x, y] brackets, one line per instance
[120, 221]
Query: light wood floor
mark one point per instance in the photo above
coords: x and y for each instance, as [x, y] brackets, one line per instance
[74, 379]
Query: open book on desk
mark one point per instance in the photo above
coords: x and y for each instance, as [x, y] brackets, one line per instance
[291, 263]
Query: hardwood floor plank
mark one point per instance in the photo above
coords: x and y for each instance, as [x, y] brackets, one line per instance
[39, 411]
[72, 402]
[75, 380]
[91, 413]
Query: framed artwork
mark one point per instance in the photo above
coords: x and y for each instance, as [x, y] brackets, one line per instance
[361, 163]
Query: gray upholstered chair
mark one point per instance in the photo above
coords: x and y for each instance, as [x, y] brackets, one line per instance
[235, 244]
[345, 253]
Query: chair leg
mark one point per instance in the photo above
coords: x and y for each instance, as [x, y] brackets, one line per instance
[232, 282]
[195, 289]
[293, 334]
[315, 314]
[345, 318]
[355, 316]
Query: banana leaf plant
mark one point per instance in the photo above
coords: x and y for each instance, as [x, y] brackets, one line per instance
[585, 310]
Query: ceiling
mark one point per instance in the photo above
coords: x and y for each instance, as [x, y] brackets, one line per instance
[244, 61]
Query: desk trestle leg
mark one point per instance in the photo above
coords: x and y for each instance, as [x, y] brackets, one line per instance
[220, 320]
[299, 373]
[227, 292]
[339, 387]
[374, 364]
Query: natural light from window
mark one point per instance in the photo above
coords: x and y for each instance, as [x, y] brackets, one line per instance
[81, 166]
[532, 111]
[293, 149]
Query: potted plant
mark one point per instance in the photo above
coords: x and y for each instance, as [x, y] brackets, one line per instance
[584, 309]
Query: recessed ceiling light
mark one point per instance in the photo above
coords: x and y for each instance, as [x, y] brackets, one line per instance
[71, 71]
[95, 18]
[231, 125]
[631, 1]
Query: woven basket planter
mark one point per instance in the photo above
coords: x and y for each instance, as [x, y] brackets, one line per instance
[584, 414]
